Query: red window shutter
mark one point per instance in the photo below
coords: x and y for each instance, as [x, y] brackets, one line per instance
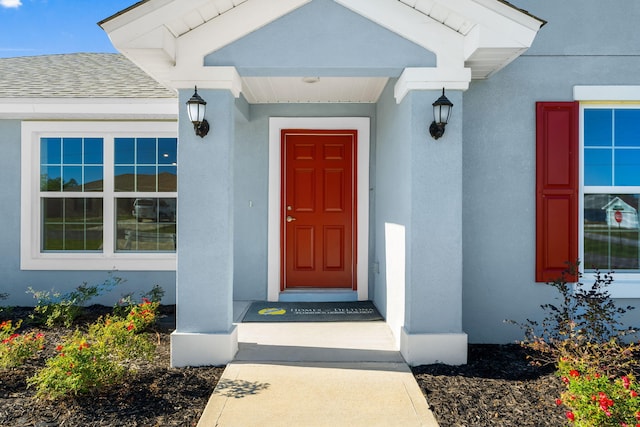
[556, 188]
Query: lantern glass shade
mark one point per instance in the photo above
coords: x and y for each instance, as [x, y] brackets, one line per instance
[196, 107]
[442, 109]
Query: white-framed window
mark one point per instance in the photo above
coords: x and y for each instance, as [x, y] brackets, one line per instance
[610, 184]
[99, 195]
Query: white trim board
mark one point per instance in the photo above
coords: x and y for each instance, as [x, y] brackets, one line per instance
[276, 124]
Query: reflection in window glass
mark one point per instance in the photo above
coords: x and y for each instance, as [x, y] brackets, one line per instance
[125, 151]
[146, 164]
[146, 178]
[72, 224]
[146, 224]
[146, 151]
[598, 127]
[627, 128]
[71, 164]
[598, 166]
[627, 163]
[76, 166]
[612, 147]
[611, 239]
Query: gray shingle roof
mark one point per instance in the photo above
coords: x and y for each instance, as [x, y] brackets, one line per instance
[77, 75]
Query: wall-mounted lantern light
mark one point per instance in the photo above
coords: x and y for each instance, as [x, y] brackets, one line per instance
[441, 113]
[196, 106]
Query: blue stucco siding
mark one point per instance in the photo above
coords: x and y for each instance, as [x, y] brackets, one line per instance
[322, 38]
[585, 28]
[584, 43]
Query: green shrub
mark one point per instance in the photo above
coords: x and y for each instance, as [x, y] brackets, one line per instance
[127, 303]
[81, 366]
[53, 308]
[15, 348]
[101, 357]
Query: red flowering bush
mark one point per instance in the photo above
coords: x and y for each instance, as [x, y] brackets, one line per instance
[80, 366]
[100, 357]
[583, 336]
[595, 400]
[15, 348]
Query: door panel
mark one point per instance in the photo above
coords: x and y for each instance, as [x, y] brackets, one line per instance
[318, 209]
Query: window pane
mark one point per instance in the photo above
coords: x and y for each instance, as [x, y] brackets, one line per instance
[167, 178]
[124, 178]
[146, 224]
[50, 178]
[146, 178]
[72, 151]
[93, 151]
[627, 128]
[93, 178]
[50, 151]
[124, 151]
[63, 163]
[167, 151]
[72, 224]
[627, 167]
[146, 151]
[72, 178]
[597, 127]
[611, 239]
[597, 167]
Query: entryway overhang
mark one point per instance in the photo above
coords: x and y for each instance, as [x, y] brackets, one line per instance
[320, 52]
[471, 39]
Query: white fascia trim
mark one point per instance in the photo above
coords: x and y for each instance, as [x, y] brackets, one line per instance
[206, 78]
[500, 23]
[615, 93]
[96, 108]
[276, 124]
[511, 13]
[445, 43]
[431, 79]
[149, 9]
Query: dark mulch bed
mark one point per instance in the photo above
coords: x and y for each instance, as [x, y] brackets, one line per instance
[157, 396]
[497, 388]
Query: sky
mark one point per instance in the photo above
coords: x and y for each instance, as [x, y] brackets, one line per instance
[44, 27]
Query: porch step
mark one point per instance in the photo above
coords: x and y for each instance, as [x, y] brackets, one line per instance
[317, 342]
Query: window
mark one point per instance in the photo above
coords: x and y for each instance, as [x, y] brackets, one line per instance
[99, 195]
[611, 173]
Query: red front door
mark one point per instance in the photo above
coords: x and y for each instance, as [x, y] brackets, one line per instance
[318, 208]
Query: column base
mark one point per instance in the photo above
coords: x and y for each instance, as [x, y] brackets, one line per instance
[425, 349]
[203, 349]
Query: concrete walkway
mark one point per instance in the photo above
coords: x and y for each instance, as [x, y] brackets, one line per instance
[317, 374]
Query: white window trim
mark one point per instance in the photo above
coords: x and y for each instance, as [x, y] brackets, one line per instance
[31, 258]
[625, 285]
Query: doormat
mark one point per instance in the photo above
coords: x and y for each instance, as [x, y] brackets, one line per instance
[264, 311]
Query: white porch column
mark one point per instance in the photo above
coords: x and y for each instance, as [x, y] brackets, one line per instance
[205, 334]
[432, 329]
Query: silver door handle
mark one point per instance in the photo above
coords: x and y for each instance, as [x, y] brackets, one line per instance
[290, 218]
